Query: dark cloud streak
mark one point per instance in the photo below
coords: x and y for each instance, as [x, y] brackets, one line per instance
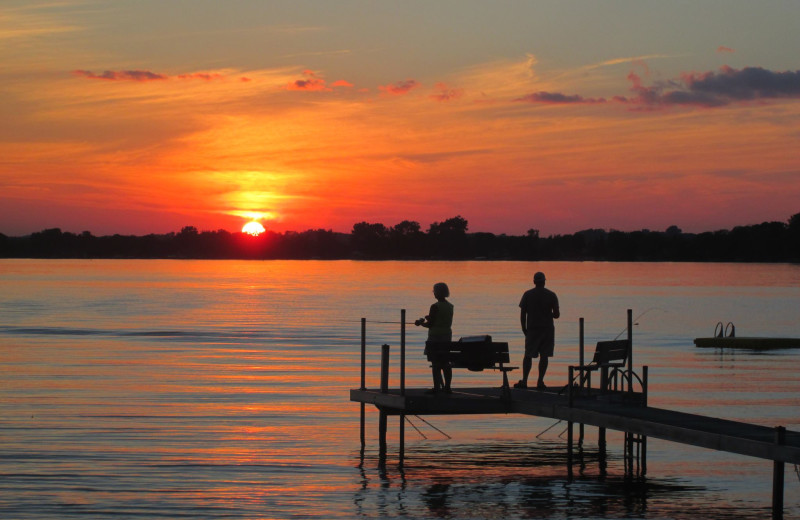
[122, 75]
[709, 89]
[557, 98]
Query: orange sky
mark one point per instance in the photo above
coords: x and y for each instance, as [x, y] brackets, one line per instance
[140, 117]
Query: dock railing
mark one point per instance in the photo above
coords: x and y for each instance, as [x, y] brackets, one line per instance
[614, 378]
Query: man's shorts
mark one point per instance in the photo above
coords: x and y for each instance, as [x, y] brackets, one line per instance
[540, 340]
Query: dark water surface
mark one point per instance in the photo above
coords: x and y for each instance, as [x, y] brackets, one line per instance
[202, 389]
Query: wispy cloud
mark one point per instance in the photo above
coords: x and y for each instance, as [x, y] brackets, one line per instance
[205, 76]
[400, 88]
[146, 75]
[723, 49]
[627, 59]
[446, 93]
[557, 98]
[121, 75]
[31, 22]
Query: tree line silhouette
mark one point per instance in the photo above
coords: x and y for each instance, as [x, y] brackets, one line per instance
[446, 240]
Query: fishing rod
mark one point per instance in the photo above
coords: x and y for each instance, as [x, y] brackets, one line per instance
[549, 428]
[637, 317]
[392, 322]
[415, 427]
[432, 426]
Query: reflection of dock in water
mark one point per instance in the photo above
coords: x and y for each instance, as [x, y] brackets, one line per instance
[616, 405]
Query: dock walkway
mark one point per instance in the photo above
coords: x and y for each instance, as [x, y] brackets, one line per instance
[622, 412]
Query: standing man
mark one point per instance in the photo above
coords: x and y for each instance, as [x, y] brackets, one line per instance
[538, 309]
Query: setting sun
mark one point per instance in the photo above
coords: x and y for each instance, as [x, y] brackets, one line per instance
[253, 228]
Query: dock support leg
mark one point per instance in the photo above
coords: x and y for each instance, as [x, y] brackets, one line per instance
[644, 454]
[629, 454]
[777, 477]
[601, 447]
[363, 374]
[569, 449]
[382, 437]
[384, 368]
[402, 439]
[363, 416]
[382, 416]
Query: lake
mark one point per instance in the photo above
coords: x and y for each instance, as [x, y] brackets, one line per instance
[220, 389]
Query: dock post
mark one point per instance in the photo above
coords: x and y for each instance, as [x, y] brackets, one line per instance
[777, 477]
[402, 439]
[569, 387]
[382, 437]
[569, 449]
[601, 448]
[580, 351]
[363, 374]
[644, 437]
[384, 389]
[402, 383]
[580, 374]
[384, 368]
[644, 455]
[629, 454]
[630, 350]
[402, 352]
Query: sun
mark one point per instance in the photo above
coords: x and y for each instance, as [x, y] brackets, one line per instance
[253, 228]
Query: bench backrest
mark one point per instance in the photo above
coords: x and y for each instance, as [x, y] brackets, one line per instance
[473, 355]
[611, 353]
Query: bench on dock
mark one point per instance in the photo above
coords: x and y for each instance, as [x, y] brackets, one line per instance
[475, 353]
[609, 358]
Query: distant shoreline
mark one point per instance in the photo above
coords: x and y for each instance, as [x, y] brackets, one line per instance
[769, 242]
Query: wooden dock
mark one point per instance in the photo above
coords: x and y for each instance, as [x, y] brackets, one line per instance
[618, 406]
[616, 411]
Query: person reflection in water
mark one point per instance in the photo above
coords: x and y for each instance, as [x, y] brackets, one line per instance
[538, 309]
[439, 322]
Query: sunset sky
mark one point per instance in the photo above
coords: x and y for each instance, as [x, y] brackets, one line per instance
[144, 116]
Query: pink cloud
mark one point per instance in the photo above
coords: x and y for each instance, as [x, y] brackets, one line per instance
[400, 88]
[445, 93]
[723, 49]
[205, 76]
[341, 83]
[121, 75]
[311, 83]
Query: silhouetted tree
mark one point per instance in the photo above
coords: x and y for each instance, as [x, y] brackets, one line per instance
[793, 230]
[449, 238]
[370, 240]
[407, 239]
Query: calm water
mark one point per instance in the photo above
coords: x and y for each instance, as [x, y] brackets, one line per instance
[201, 389]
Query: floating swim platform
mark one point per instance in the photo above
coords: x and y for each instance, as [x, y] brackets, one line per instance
[725, 337]
[753, 343]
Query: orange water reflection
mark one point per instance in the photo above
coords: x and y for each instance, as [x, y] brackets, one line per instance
[222, 387]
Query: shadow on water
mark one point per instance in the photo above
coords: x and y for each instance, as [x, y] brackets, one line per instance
[524, 480]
